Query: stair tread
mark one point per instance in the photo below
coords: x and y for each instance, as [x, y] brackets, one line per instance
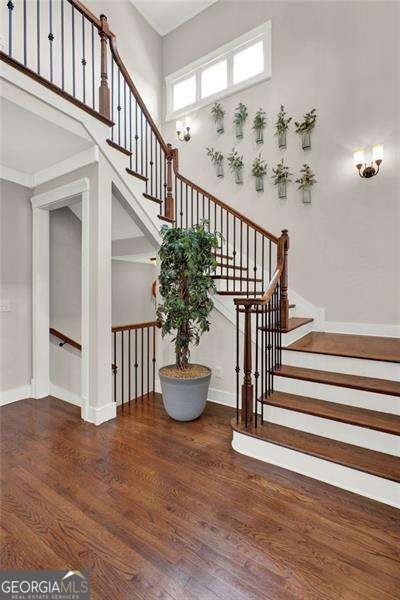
[223, 256]
[167, 219]
[230, 266]
[293, 323]
[348, 455]
[117, 146]
[239, 278]
[249, 293]
[135, 174]
[351, 415]
[152, 198]
[344, 344]
[358, 382]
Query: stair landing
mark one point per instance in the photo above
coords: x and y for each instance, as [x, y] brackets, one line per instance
[353, 346]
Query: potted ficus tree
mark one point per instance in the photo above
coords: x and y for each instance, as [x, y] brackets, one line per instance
[305, 127]
[235, 163]
[259, 124]
[306, 181]
[187, 259]
[281, 175]
[217, 160]
[259, 170]
[218, 113]
[239, 118]
[281, 126]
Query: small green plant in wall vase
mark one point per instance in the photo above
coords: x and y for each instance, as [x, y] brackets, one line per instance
[218, 113]
[235, 163]
[259, 170]
[281, 176]
[217, 159]
[305, 128]
[281, 126]
[239, 119]
[306, 181]
[259, 124]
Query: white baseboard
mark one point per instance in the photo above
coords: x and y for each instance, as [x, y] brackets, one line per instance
[221, 397]
[19, 393]
[361, 328]
[99, 415]
[346, 478]
[66, 395]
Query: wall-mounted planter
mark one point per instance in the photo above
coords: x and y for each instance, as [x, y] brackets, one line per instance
[259, 136]
[282, 189]
[307, 195]
[220, 125]
[282, 140]
[239, 131]
[219, 169]
[259, 184]
[239, 176]
[306, 140]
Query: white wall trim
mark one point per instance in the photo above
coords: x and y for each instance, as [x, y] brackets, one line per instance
[13, 395]
[221, 397]
[77, 161]
[19, 177]
[346, 478]
[66, 395]
[60, 196]
[100, 414]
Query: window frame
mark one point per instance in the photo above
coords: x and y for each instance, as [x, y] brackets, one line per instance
[226, 52]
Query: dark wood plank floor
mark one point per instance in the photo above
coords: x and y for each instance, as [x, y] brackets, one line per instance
[158, 509]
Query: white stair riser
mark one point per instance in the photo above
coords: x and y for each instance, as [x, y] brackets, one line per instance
[340, 364]
[332, 393]
[361, 483]
[292, 336]
[342, 432]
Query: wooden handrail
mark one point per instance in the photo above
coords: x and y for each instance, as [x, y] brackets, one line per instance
[144, 325]
[65, 339]
[86, 13]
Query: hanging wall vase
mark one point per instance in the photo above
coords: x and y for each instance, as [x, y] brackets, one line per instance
[239, 176]
[219, 169]
[282, 189]
[239, 131]
[282, 140]
[306, 140]
[307, 195]
[259, 136]
[259, 184]
[220, 125]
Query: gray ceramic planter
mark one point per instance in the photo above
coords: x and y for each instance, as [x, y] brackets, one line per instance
[185, 399]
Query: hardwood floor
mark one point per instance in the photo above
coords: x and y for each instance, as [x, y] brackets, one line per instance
[159, 509]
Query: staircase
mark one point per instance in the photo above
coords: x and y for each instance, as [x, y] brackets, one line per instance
[322, 404]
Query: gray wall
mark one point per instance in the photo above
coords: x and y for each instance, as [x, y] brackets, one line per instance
[16, 285]
[344, 59]
[132, 301]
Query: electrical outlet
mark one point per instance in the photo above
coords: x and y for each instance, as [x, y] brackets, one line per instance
[218, 372]
[5, 306]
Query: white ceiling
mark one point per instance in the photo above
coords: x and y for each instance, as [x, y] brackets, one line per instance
[166, 15]
[122, 226]
[31, 144]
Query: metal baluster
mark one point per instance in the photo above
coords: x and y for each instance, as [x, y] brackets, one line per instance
[115, 365]
[119, 106]
[62, 46]
[262, 358]
[93, 85]
[25, 36]
[122, 368]
[151, 163]
[187, 205]
[147, 159]
[227, 253]
[38, 34]
[247, 250]
[256, 371]
[112, 96]
[154, 359]
[83, 61]
[136, 365]
[125, 145]
[141, 362]
[136, 137]
[130, 129]
[141, 142]
[129, 366]
[237, 368]
[73, 49]
[241, 256]
[10, 7]
[148, 361]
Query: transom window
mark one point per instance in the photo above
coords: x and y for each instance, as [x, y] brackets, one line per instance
[239, 64]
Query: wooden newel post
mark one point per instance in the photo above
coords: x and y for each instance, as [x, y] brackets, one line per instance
[283, 248]
[247, 386]
[104, 90]
[169, 201]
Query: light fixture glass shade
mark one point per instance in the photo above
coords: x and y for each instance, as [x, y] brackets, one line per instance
[188, 122]
[358, 157]
[179, 125]
[377, 152]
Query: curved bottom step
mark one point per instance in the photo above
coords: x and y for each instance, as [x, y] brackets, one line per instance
[365, 472]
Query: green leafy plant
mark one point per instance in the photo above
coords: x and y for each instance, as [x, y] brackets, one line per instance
[282, 123]
[216, 157]
[187, 261]
[260, 120]
[240, 115]
[235, 161]
[281, 173]
[307, 178]
[259, 167]
[217, 111]
[308, 122]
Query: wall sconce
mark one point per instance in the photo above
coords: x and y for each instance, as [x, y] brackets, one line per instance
[373, 169]
[183, 136]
